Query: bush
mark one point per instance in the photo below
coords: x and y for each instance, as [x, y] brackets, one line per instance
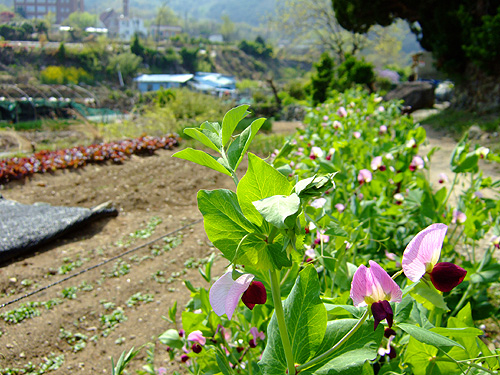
[62, 75]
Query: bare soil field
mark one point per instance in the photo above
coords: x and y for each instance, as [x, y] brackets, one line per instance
[142, 188]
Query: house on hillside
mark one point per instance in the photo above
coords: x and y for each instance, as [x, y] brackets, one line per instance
[153, 82]
[162, 32]
[214, 83]
[210, 83]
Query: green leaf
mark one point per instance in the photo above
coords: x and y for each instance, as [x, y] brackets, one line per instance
[314, 186]
[428, 337]
[305, 318]
[171, 338]
[434, 298]
[213, 131]
[224, 222]
[278, 208]
[257, 253]
[222, 362]
[239, 146]
[336, 230]
[420, 356]
[192, 322]
[231, 120]
[458, 332]
[261, 181]
[351, 356]
[201, 158]
[199, 136]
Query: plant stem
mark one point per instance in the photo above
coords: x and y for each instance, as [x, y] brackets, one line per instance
[323, 356]
[278, 310]
[449, 192]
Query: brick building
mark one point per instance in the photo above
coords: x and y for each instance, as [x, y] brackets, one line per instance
[39, 8]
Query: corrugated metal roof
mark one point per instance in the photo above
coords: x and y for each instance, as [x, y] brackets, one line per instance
[150, 78]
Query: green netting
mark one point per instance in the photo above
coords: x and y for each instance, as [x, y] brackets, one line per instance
[23, 110]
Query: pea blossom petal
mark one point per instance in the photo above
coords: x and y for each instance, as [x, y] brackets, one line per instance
[226, 292]
[446, 276]
[423, 251]
[197, 336]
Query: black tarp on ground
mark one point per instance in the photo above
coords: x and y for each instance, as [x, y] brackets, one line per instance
[23, 228]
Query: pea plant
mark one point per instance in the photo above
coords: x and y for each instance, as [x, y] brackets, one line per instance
[312, 237]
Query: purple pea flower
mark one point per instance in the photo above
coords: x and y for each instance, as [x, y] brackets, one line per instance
[198, 341]
[364, 176]
[421, 256]
[374, 287]
[256, 335]
[340, 207]
[377, 163]
[443, 178]
[226, 293]
[356, 134]
[458, 217]
[342, 112]
[318, 203]
[416, 163]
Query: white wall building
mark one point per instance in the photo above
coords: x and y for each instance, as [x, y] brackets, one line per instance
[127, 27]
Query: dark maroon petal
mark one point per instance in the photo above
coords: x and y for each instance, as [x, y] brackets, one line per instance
[252, 343]
[392, 352]
[196, 348]
[184, 358]
[255, 294]
[382, 310]
[446, 276]
[388, 332]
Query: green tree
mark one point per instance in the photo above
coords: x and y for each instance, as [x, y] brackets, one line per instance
[321, 80]
[136, 47]
[81, 20]
[446, 28]
[126, 63]
[227, 28]
[354, 72]
[313, 23]
[61, 53]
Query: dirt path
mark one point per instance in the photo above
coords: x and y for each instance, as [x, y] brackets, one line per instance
[141, 188]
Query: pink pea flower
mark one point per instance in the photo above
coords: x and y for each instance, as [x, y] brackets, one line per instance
[162, 371]
[421, 256]
[399, 198]
[325, 118]
[337, 125]
[331, 152]
[340, 207]
[198, 341]
[364, 176]
[374, 287]
[321, 237]
[377, 163]
[443, 178]
[318, 203]
[256, 335]
[458, 217]
[316, 152]
[495, 241]
[381, 109]
[416, 163]
[382, 129]
[342, 112]
[356, 135]
[226, 293]
[310, 254]
[482, 152]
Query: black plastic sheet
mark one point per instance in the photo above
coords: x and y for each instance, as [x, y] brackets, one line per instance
[24, 228]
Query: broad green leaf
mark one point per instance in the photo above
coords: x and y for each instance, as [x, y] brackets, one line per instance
[231, 120]
[493, 362]
[261, 181]
[257, 253]
[239, 146]
[278, 208]
[428, 337]
[403, 310]
[351, 356]
[171, 338]
[420, 356]
[213, 131]
[224, 222]
[305, 318]
[314, 186]
[336, 230]
[432, 297]
[192, 322]
[201, 158]
[199, 136]
[458, 332]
